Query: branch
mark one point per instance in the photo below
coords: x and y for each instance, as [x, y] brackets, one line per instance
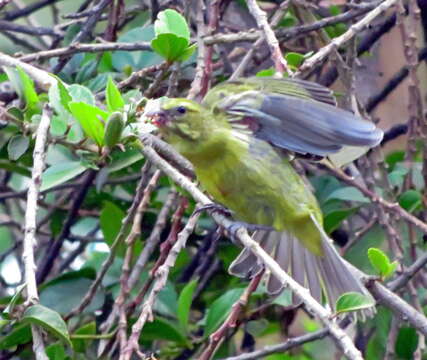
[149, 247]
[287, 34]
[12, 15]
[134, 234]
[231, 322]
[282, 347]
[161, 275]
[118, 240]
[400, 307]
[202, 79]
[349, 34]
[260, 16]
[41, 77]
[30, 225]
[52, 253]
[409, 272]
[30, 30]
[89, 48]
[392, 207]
[86, 29]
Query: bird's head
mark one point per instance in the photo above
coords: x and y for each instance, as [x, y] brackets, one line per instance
[176, 117]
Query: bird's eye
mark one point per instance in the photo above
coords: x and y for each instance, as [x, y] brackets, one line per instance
[181, 109]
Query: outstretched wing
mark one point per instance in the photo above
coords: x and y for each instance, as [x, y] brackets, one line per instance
[290, 87]
[296, 123]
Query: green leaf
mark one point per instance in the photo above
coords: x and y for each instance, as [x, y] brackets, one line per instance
[23, 85]
[3, 323]
[60, 173]
[106, 62]
[17, 146]
[284, 299]
[14, 167]
[172, 36]
[220, 309]
[113, 97]
[14, 78]
[81, 345]
[184, 303]
[163, 329]
[97, 83]
[170, 47]
[397, 176]
[111, 221]
[17, 113]
[186, 54]
[395, 157]
[86, 71]
[29, 91]
[59, 94]
[348, 193]
[123, 160]
[381, 263]
[171, 22]
[123, 60]
[266, 73]
[20, 334]
[15, 298]
[64, 96]
[91, 119]
[256, 327]
[334, 218]
[353, 301]
[294, 59]
[406, 343]
[58, 125]
[49, 320]
[80, 93]
[56, 352]
[288, 20]
[411, 200]
[63, 294]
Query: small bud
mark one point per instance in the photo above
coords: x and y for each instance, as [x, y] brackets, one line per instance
[113, 129]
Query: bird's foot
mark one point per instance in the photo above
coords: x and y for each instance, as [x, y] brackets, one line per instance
[215, 208]
[236, 225]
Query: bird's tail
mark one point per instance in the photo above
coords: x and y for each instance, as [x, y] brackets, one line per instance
[329, 273]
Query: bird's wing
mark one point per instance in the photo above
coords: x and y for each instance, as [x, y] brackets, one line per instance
[289, 87]
[297, 124]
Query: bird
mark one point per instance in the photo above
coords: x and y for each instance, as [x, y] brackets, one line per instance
[241, 139]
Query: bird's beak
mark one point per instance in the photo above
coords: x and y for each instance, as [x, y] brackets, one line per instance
[159, 118]
[155, 114]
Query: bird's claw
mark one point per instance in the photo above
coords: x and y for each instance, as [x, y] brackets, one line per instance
[215, 208]
[236, 225]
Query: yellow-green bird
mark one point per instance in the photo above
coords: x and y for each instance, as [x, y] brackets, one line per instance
[236, 140]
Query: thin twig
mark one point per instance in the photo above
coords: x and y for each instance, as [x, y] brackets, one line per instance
[149, 247]
[42, 78]
[161, 275]
[317, 58]
[392, 207]
[260, 16]
[134, 234]
[30, 225]
[231, 322]
[83, 48]
[118, 240]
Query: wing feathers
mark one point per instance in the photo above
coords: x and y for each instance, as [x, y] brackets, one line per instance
[300, 125]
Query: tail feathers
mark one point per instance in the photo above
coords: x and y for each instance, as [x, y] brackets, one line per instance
[329, 274]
